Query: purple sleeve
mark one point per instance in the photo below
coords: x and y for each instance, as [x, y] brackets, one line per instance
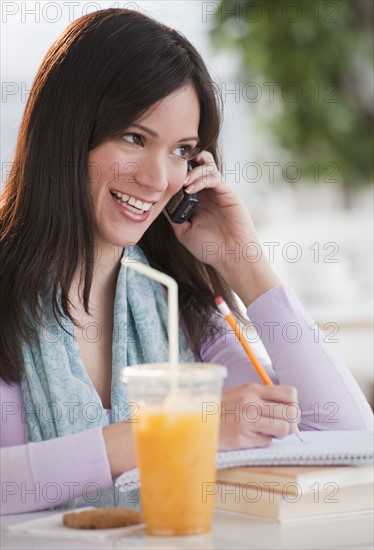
[36, 476]
[329, 396]
[41, 475]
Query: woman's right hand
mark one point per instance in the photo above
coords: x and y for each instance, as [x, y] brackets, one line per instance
[252, 414]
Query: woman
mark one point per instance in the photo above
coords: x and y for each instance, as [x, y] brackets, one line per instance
[118, 107]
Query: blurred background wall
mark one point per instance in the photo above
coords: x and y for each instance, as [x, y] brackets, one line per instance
[296, 83]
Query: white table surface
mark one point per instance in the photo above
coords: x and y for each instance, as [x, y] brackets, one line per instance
[230, 531]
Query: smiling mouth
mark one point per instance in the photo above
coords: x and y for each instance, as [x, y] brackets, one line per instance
[131, 203]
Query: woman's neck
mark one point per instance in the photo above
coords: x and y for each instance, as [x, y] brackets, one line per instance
[96, 354]
[105, 274]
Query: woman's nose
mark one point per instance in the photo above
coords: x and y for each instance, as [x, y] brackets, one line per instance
[152, 173]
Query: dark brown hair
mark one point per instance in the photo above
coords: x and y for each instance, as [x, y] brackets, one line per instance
[102, 73]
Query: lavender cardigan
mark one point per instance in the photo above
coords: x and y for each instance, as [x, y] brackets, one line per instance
[36, 476]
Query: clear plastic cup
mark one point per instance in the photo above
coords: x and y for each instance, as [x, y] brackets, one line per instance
[176, 426]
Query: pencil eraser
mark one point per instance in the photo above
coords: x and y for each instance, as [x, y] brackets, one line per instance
[218, 300]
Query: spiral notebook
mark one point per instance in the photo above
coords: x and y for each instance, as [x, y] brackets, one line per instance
[317, 448]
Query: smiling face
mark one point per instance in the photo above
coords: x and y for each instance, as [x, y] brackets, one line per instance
[132, 177]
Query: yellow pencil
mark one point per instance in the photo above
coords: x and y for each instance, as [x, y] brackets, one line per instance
[225, 310]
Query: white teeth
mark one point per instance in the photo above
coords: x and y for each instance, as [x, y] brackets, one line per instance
[135, 204]
[131, 208]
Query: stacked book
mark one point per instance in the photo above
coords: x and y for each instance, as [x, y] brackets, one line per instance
[290, 492]
[329, 473]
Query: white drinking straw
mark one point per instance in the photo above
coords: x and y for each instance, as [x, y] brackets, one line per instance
[172, 287]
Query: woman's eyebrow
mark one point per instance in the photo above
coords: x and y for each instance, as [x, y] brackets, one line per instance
[154, 134]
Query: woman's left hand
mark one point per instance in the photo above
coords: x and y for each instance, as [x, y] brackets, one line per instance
[221, 233]
[221, 225]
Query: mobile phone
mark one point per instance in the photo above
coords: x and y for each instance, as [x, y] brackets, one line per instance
[181, 205]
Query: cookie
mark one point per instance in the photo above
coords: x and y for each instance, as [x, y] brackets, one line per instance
[103, 518]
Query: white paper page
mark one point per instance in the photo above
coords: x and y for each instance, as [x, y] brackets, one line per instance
[320, 448]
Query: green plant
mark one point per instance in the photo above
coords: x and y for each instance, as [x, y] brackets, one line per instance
[317, 58]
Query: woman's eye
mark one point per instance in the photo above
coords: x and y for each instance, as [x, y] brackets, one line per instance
[184, 151]
[136, 139]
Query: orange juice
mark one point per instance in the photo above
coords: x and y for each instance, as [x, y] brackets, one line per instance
[176, 428]
[176, 457]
